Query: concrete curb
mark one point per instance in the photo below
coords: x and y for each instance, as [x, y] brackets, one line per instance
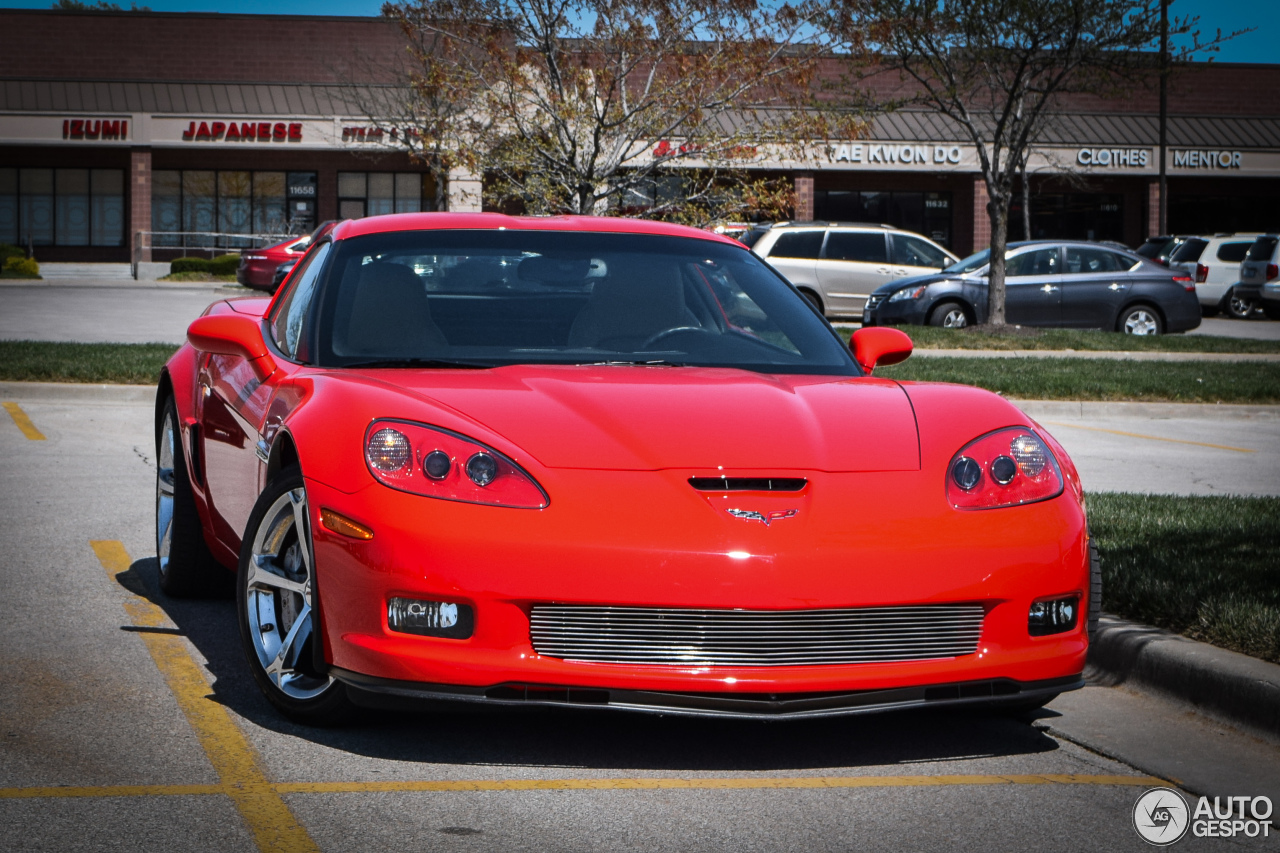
[71, 392]
[1103, 355]
[1103, 409]
[1233, 688]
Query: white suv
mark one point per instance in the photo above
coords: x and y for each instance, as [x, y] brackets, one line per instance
[1214, 263]
[837, 265]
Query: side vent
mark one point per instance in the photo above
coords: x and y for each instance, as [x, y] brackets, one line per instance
[748, 484]
[197, 463]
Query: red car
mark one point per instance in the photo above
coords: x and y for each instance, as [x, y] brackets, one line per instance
[258, 267]
[605, 463]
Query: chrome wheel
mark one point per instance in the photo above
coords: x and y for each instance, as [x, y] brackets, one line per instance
[1239, 308]
[278, 601]
[1141, 321]
[954, 319]
[164, 490]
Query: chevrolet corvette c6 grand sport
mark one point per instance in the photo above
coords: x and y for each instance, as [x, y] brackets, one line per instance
[605, 463]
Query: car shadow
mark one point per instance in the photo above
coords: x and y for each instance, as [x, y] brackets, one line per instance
[596, 739]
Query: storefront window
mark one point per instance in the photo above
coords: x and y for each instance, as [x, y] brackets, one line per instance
[192, 206]
[62, 207]
[1070, 216]
[924, 213]
[375, 193]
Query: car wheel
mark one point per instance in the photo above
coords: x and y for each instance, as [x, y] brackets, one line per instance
[1095, 590]
[187, 567]
[1140, 320]
[949, 315]
[276, 600]
[813, 298]
[1238, 308]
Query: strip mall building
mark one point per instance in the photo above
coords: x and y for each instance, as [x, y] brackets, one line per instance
[117, 123]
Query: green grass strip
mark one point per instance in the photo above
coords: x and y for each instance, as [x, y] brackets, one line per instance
[1090, 340]
[1206, 567]
[1101, 379]
[114, 364]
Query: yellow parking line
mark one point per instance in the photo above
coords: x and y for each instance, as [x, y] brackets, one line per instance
[1153, 437]
[642, 784]
[273, 826]
[24, 423]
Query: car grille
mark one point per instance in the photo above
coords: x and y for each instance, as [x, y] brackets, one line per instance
[873, 302]
[652, 635]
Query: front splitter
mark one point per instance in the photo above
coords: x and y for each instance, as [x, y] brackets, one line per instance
[371, 692]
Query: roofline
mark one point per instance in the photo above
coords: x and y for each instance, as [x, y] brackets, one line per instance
[446, 221]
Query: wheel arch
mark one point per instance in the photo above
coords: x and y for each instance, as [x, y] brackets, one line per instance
[814, 296]
[284, 455]
[969, 310]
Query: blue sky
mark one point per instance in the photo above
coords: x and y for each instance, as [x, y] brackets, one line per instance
[1257, 46]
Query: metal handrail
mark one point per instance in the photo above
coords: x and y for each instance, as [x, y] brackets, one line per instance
[146, 240]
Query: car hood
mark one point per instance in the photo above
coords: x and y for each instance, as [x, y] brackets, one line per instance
[900, 283]
[650, 418]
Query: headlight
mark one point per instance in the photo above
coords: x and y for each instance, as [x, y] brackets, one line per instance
[439, 463]
[1008, 467]
[908, 293]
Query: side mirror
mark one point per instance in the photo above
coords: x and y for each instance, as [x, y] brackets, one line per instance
[233, 334]
[879, 345]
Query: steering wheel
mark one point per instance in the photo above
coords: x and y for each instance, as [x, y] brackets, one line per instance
[666, 333]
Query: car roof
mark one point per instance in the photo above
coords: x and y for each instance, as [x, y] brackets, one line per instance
[500, 221]
[822, 223]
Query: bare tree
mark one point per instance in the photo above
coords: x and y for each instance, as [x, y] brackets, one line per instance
[997, 67]
[650, 107]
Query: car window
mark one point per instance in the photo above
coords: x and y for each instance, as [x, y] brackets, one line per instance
[798, 244]
[1082, 260]
[974, 262]
[1262, 248]
[1039, 262]
[1233, 253]
[286, 327]
[1189, 251]
[487, 298]
[865, 246]
[915, 252]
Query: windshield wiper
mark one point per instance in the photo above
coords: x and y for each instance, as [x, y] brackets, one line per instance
[420, 362]
[631, 362]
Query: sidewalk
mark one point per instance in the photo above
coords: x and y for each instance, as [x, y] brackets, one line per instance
[1106, 355]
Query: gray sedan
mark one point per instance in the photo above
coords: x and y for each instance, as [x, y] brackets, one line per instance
[1047, 283]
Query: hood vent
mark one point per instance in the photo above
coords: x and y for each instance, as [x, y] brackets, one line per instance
[748, 484]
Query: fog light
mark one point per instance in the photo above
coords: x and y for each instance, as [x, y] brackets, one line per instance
[1053, 616]
[430, 618]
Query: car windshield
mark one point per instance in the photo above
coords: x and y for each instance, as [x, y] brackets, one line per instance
[490, 298]
[974, 262]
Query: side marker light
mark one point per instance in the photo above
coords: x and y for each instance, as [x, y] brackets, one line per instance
[344, 526]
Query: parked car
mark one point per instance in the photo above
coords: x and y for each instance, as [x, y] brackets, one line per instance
[1159, 249]
[1214, 263]
[258, 266]
[623, 465]
[1047, 283]
[281, 273]
[1260, 275]
[836, 265]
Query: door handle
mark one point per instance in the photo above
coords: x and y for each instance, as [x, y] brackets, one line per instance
[1049, 288]
[1115, 285]
[884, 270]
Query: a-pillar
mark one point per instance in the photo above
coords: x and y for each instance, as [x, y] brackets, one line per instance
[465, 192]
[1153, 208]
[139, 202]
[804, 196]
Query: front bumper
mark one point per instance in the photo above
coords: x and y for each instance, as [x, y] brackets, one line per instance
[857, 541]
[403, 695]
[902, 312]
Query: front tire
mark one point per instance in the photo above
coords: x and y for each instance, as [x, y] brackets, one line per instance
[1237, 308]
[188, 568]
[1140, 320]
[949, 315]
[276, 602]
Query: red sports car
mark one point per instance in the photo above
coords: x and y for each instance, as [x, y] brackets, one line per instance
[258, 267]
[606, 463]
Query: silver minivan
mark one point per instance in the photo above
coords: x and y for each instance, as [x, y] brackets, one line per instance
[837, 265]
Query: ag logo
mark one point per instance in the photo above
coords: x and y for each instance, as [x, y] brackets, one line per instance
[1161, 816]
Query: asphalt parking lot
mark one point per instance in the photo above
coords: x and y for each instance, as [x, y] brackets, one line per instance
[130, 722]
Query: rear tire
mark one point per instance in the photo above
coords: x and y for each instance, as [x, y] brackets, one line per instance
[813, 298]
[188, 568]
[276, 602]
[1238, 309]
[1095, 590]
[949, 315]
[1140, 320]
